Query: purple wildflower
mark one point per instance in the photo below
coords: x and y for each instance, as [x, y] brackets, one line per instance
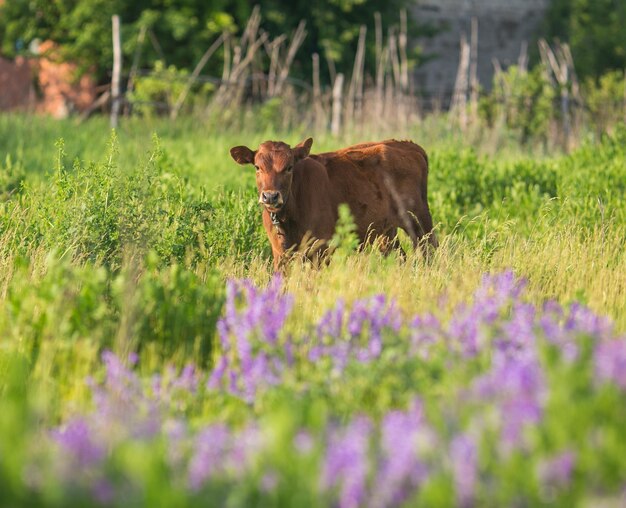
[77, 439]
[464, 463]
[103, 491]
[249, 333]
[218, 373]
[468, 326]
[207, 460]
[331, 324]
[464, 329]
[552, 322]
[346, 462]
[582, 320]
[557, 471]
[188, 380]
[400, 470]
[517, 387]
[501, 287]
[361, 340]
[426, 331]
[269, 482]
[244, 447]
[303, 442]
[518, 332]
[121, 406]
[610, 362]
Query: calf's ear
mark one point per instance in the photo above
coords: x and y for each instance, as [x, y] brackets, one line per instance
[242, 155]
[302, 150]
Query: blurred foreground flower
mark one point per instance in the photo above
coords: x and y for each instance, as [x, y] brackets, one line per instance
[382, 459]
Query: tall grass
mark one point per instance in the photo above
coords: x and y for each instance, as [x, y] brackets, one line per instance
[124, 242]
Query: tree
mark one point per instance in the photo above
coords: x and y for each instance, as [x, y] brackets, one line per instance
[185, 28]
[333, 27]
[82, 28]
[595, 31]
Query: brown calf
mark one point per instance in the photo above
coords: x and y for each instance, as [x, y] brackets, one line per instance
[383, 183]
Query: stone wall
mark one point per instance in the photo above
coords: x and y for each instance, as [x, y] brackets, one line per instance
[503, 27]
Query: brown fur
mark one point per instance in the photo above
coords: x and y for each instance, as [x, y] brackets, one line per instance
[384, 183]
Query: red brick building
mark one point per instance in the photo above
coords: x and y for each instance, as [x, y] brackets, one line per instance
[44, 84]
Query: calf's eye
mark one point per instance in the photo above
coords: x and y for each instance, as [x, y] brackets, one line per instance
[257, 167]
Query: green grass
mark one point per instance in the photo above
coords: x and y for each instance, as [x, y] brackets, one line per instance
[101, 204]
[125, 241]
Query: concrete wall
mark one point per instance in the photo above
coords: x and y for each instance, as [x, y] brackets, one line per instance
[503, 26]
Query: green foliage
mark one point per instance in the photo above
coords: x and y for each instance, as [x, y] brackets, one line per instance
[70, 313]
[101, 213]
[11, 178]
[595, 31]
[83, 27]
[235, 229]
[333, 28]
[185, 28]
[606, 100]
[594, 183]
[523, 101]
[345, 239]
[170, 312]
[130, 253]
[586, 187]
[65, 306]
[158, 92]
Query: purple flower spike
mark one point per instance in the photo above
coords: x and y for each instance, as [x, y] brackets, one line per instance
[207, 460]
[248, 333]
[346, 462]
[517, 386]
[303, 442]
[188, 379]
[557, 471]
[426, 331]
[469, 326]
[331, 324]
[582, 320]
[400, 469]
[104, 492]
[610, 362]
[360, 335]
[77, 439]
[464, 463]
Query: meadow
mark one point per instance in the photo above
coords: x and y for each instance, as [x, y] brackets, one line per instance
[150, 357]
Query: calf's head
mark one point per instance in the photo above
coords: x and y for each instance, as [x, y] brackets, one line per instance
[274, 162]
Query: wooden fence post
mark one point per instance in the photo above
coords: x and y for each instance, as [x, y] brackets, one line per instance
[117, 70]
[473, 71]
[335, 125]
[355, 90]
[459, 99]
[317, 95]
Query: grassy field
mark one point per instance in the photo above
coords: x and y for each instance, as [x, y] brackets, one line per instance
[148, 355]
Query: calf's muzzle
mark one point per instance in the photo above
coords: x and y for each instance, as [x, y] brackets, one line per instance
[271, 198]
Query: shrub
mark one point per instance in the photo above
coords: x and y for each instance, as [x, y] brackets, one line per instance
[159, 91]
[606, 100]
[100, 212]
[11, 178]
[523, 100]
